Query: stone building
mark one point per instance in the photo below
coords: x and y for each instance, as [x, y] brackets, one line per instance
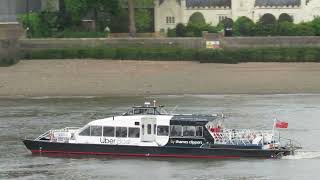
[168, 13]
[9, 9]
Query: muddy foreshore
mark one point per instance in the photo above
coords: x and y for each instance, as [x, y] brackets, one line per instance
[36, 78]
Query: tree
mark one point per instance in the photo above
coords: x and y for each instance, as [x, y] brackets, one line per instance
[80, 8]
[144, 20]
[267, 25]
[225, 23]
[284, 17]
[77, 9]
[181, 30]
[132, 24]
[315, 24]
[286, 29]
[197, 19]
[244, 26]
[304, 29]
[267, 19]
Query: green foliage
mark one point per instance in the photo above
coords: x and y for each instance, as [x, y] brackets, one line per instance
[244, 26]
[181, 30]
[144, 20]
[171, 33]
[226, 23]
[286, 29]
[315, 24]
[43, 24]
[32, 22]
[304, 29]
[267, 54]
[197, 19]
[267, 25]
[284, 17]
[77, 9]
[191, 30]
[119, 23]
[6, 61]
[80, 8]
[268, 19]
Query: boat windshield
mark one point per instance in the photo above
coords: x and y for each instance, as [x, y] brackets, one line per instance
[144, 111]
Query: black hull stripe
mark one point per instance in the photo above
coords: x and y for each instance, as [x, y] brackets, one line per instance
[136, 155]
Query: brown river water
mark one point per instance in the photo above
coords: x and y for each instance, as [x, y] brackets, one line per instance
[29, 117]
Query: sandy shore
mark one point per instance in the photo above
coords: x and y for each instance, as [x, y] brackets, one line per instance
[108, 78]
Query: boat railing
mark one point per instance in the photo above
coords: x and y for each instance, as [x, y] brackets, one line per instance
[43, 136]
[290, 143]
[57, 134]
[244, 136]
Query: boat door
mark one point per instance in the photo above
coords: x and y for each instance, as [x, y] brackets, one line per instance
[148, 129]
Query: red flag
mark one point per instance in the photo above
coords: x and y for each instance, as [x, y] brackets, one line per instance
[281, 124]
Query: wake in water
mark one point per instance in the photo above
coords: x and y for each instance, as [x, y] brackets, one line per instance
[304, 155]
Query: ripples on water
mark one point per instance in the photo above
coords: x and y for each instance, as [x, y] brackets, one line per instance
[21, 118]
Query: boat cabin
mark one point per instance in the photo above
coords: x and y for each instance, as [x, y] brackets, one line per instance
[146, 126]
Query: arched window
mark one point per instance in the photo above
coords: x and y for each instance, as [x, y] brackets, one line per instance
[267, 19]
[197, 18]
[284, 17]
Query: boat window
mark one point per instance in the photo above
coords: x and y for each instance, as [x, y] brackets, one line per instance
[142, 127]
[85, 132]
[149, 129]
[189, 131]
[154, 129]
[199, 131]
[96, 130]
[144, 111]
[121, 131]
[163, 131]
[134, 132]
[108, 131]
[175, 130]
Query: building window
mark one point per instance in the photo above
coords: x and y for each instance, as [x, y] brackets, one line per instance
[221, 18]
[170, 20]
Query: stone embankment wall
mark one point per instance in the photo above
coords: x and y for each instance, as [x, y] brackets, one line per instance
[34, 44]
[9, 39]
[193, 43]
[277, 41]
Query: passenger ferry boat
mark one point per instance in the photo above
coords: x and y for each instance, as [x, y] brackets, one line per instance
[152, 132]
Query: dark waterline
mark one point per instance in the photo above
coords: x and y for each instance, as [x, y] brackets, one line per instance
[30, 117]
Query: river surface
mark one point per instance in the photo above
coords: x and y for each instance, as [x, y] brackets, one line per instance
[20, 118]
